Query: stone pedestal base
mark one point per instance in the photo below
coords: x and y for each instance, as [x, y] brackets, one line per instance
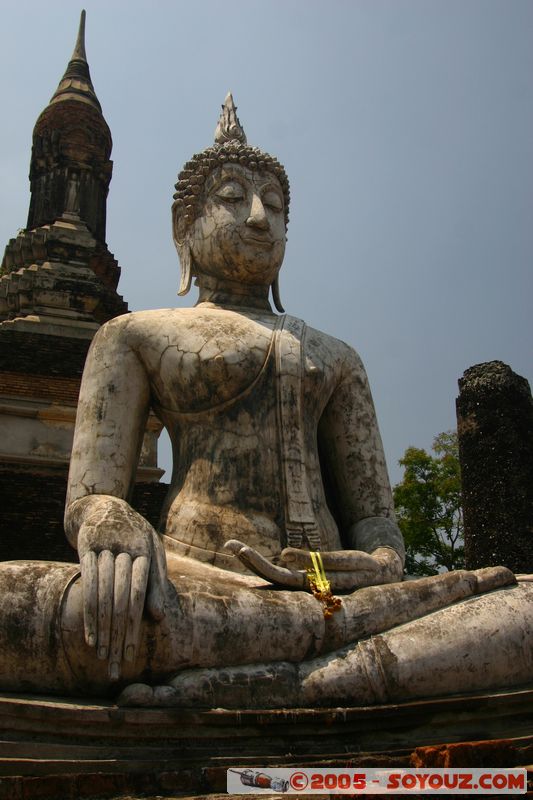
[73, 749]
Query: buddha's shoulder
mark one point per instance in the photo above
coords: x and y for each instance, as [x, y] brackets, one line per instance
[148, 323]
[189, 326]
[330, 347]
[167, 324]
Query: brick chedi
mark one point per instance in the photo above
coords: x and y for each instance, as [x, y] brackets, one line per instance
[72, 138]
[58, 283]
[59, 268]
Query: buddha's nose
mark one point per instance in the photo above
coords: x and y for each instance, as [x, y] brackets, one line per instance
[258, 217]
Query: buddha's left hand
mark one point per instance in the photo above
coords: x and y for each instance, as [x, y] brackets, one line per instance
[345, 569]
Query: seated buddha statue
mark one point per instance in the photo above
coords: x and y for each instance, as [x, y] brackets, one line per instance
[275, 578]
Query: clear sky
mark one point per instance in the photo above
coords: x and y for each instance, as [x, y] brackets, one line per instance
[405, 126]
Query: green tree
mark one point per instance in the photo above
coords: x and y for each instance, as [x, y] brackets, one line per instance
[428, 506]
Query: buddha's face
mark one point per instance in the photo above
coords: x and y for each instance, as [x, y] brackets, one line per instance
[240, 234]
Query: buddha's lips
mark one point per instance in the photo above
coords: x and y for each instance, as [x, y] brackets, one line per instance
[264, 242]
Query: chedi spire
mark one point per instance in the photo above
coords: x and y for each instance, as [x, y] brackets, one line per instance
[71, 145]
[76, 83]
[79, 47]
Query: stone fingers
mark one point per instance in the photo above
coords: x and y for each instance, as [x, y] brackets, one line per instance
[106, 579]
[114, 614]
[264, 568]
[350, 569]
[89, 576]
[139, 580]
[336, 560]
[157, 578]
[123, 568]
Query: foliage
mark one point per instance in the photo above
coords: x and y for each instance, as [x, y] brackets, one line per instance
[428, 506]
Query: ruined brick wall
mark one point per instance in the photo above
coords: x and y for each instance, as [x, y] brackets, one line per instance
[32, 508]
[39, 354]
[31, 522]
[64, 391]
[32, 498]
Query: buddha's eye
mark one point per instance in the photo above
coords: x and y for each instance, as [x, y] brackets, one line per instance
[273, 201]
[230, 192]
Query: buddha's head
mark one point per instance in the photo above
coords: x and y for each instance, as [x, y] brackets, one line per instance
[230, 212]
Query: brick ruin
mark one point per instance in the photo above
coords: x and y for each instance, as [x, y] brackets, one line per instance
[58, 284]
[495, 429]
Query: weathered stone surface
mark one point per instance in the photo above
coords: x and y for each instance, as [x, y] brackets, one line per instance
[495, 427]
[263, 413]
[168, 753]
[193, 748]
[180, 354]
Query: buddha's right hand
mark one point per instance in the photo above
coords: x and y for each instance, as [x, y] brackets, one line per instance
[346, 570]
[123, 571]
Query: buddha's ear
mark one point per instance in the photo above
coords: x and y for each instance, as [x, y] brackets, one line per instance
[181, 240]
[276, 296]
[185, 257]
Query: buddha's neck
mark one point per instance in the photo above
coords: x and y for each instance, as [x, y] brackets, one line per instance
[233, 294]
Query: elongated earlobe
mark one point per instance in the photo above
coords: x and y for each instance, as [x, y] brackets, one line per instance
[185, 257]
[275, 295]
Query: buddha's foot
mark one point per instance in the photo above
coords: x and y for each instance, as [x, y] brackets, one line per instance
[253, 686]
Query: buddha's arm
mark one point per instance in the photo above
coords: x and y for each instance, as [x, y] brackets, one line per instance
[352, 454]
[122, 563]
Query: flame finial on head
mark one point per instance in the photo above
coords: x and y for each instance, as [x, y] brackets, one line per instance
[229, 128]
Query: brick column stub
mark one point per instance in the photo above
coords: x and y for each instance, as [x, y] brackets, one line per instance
[495, 429]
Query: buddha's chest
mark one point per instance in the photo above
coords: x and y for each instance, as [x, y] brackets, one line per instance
[209, 358]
